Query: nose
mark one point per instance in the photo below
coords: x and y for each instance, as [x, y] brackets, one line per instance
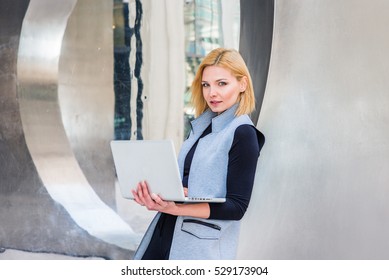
[212, 91]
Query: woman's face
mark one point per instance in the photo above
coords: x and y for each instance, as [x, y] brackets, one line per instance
[220, 88]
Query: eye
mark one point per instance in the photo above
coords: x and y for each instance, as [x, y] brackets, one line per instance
[204, 84]
[222, 83]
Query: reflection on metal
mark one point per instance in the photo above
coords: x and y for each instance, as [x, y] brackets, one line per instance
[56, 112]
[85, 94]
[164, 69]
[126, 71]
[30, 220]
[321, 190]
[66, 101]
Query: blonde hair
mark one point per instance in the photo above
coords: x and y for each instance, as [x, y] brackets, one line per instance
[231, 60]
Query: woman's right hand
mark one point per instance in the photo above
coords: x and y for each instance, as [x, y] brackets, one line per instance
[152, 201]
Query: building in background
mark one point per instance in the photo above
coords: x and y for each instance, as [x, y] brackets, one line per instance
[209, 24]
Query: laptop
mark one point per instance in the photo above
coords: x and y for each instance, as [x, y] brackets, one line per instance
[154, 161]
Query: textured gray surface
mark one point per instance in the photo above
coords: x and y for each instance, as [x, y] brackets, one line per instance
[321, 190]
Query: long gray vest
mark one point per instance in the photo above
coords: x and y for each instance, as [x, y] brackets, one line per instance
[196, 238]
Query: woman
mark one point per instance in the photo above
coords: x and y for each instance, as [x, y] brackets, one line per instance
[218, 159]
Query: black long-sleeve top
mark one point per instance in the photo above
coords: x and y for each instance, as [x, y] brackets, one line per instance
[242, 163]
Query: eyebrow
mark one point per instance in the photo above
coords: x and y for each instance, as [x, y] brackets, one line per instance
[218, 80]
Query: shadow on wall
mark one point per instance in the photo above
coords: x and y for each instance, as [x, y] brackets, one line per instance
[256, 25]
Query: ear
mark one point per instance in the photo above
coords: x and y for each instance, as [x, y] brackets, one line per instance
[243, 84]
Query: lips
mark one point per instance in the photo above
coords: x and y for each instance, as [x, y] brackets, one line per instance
[214, 102]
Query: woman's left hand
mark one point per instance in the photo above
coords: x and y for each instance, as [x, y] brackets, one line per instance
[152, 201]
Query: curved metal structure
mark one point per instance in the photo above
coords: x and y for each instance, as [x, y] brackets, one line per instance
[322, 187]
[77, 97]
[57, 115]
[65, 99]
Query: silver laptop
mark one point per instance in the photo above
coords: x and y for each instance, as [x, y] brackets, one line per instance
[154, 161]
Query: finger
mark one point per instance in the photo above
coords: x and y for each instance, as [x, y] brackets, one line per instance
[146, 195]
[140, 191]
[158, 200]
[136, 197]
[143, 194]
